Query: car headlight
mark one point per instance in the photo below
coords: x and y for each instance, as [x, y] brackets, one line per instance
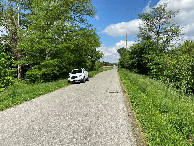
[80, 75]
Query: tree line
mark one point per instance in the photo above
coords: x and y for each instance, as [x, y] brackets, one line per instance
[157, 51]
[46, 39]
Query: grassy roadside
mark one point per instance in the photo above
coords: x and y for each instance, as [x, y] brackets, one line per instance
[22, 92]
[166, 117]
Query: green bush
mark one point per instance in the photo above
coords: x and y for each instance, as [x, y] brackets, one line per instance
[176, 67]
[6, 72]
[140, 55]
[48, 70]
[98, 65]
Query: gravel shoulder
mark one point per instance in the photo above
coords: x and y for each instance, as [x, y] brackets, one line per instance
[89, 114]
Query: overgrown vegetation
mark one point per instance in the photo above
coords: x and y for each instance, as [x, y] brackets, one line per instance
[156, 53]
[176, 67]
[6, 67]
[165, 115]
[46, 39]
[164, 103]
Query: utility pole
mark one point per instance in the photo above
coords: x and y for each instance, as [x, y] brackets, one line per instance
[126, 51]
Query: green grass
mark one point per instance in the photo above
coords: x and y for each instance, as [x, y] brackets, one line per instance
[22, 92]
[166, 117]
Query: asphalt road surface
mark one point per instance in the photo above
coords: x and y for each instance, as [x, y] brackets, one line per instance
[87, 114]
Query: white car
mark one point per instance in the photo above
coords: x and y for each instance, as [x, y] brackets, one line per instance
[78, 75]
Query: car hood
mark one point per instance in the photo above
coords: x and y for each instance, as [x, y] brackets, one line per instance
[77, 74]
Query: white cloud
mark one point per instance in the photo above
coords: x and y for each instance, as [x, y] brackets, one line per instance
[178, 4]
[189, 30]
[185, 17]
[120, 29]
[147, 9]
[123, 44]
[110, 53]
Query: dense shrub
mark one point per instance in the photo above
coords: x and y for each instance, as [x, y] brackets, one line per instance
[154, 56]
[98, 65]
[47, 71]
[6, 72]
[176, 67]
[123, 57]
[140, 55]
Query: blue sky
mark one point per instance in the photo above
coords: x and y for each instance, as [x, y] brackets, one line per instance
[113, 12]
[115, 18]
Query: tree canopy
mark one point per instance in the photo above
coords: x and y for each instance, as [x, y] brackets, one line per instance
[155, 54]
[158, 26]
[48, 38]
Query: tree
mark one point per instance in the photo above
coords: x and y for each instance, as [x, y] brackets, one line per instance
[122, 51]
[59, 38]
[13, 20]
[175, 67]
[123, 57]
[86, 41]
[50, 36]
[157, 26]
[141, 55]
[155, 37]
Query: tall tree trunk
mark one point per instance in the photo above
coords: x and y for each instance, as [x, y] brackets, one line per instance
[19, 72]
[12, 25]
[19, 69]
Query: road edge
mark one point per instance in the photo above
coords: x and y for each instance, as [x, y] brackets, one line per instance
[136, 128]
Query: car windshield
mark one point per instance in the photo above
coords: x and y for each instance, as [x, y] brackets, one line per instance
[77, 71]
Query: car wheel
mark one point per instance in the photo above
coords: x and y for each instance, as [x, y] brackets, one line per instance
[84, 80]
[88, 78]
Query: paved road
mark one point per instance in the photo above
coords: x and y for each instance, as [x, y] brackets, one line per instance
[90, 114]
